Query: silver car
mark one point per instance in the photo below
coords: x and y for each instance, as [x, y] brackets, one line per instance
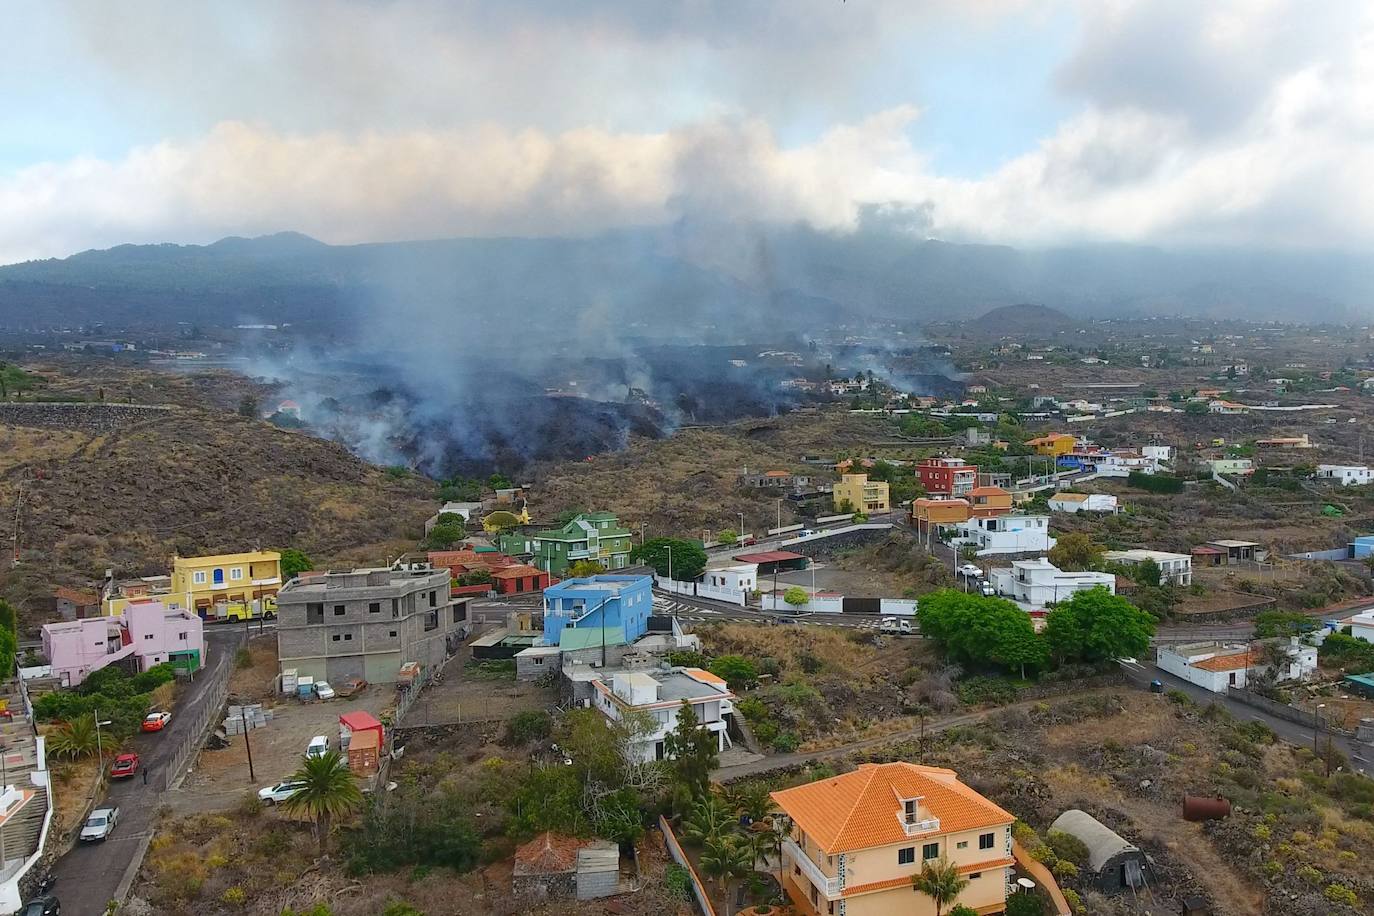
[99, 824]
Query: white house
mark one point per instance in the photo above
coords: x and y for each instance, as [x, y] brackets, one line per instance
[1006, 534]
[1362, 626]
[1348, 475]
[1173, 567]
[1039, 582]
[1217, 666]
[659, 694]
[1158, 453]
[1082, 502]
[731, 581]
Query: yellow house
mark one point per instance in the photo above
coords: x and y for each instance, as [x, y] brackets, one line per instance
[231, 585]
[1055, 444]
[862, 494]
[859, 839]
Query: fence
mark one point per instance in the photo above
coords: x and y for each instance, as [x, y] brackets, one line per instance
[702, 590]
[211, 706]
[1305, 717]
[680, 857]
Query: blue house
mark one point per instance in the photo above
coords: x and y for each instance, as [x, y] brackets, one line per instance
[599, 601]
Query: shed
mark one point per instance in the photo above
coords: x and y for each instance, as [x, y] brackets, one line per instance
[1117, 865]
[546, 866]
[598, 870]
[364, 753]
[351, 723]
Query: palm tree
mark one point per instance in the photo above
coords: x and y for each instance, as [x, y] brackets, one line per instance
[940, 882]
[79, 737]
[751, 799]
[709, 820]
[328, 791]
[726, 857]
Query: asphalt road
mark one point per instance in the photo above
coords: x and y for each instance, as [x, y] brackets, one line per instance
[90, 874]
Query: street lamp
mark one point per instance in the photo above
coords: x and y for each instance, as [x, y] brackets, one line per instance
[669, 548]
[779, 511]
[99, 748]
[741, 526]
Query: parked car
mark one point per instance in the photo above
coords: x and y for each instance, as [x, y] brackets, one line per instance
[99, 824]
[352, 686]
[156, 721]
[318, 746]
[125, 765]
[986, 590]
[272, 795]
[323, 690]
[805, 533]
[970, 571]
[46, 905]
[748, 541]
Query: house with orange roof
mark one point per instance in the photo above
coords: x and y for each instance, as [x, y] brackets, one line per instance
[520, 578]
[859, 839]
[1218, 666]
[927, 513]
[986, 502]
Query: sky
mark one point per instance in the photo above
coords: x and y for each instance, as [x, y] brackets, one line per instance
[1162, 122]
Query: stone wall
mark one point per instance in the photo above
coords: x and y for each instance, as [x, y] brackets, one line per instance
[93, 418]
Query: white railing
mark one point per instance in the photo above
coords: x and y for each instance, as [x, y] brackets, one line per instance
[916, 828]
[827, 885]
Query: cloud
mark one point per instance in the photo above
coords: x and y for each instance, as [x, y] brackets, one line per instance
[1237, 122]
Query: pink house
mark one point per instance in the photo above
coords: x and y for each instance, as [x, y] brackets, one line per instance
[148, 633]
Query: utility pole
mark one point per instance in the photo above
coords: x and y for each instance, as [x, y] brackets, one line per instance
[247, 745]
[741, 526]
[779, 511]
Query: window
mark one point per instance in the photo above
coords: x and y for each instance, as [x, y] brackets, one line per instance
[147, 635]
[962, 844]
[433, 599]
[348, 637]
[459, 613]
[538, 660]
[340, 610]
[392, 634]
[987, 840]
[181, 636]
[395, 607]
[198, 577]
[375, 607]
[906, 856]
[335, 637]
[930, 851]
[431, 621]
[975, 876]
[236, 573]
[909, 810]
[314, 613]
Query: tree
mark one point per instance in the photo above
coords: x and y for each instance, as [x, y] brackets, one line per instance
[941, 882]
[500, 521]
[1147, 573]
[693, 752]
[725, 858]
[1196, 409]
[445, 534]
[248, 406]
[796, 596]
[567, 515]
[328, 791]
[77, 738]
[1075, 552]
[1097, 626]
[584, 568]
[1022, 904]
[981, 631]
[709, 820]
[687, 558]
[293, 563]
[727, 536]
[737, 670]
[499, 481]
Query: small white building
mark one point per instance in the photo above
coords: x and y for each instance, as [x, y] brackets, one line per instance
[1217, 666]
[1362, 626]
[659, 693]
[1176, 568]
[466, 510]
[1039, 582]
[1006, 534]
[1347, 475]
[1158, 453]
[1082, 502]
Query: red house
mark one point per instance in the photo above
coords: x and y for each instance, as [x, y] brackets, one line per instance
[519, 578]
[947, 476]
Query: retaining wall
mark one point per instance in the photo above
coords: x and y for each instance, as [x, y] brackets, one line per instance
[97, 417]
[675, 850]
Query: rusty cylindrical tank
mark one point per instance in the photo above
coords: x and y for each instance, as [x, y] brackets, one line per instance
[1201, 808]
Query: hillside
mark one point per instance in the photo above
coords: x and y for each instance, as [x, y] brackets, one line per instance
[1011, 320]
[745, 277]
[197, 479]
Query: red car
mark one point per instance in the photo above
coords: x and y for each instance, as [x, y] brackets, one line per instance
[156, 721]
[125, 765]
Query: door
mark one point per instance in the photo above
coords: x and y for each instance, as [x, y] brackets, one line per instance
[218, 577]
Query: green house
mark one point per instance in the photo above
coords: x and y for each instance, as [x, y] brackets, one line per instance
[593, 536]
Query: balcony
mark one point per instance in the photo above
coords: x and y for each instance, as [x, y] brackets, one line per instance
[827, 885]
[916, 828]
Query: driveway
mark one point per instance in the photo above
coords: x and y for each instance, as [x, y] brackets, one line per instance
[89, 876]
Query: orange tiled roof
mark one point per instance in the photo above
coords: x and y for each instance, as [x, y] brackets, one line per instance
[777, 474]
[989, 491]
[1070, 497]
[860, 809]
[1229, 662]
[518, 571]
[706, 677]
[79, 598]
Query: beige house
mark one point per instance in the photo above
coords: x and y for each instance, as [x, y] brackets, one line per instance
[859, 839]
[862, 494]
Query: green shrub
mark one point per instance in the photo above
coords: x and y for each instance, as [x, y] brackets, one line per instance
[996, 691]
[678, 882]
[686, 658]
[1025, 905]
[786, 742]
[1337, 893]
[1068, 846]
[234, 896]
[1308, 874]
[1065, 869]
[737, 670]
[529, 725]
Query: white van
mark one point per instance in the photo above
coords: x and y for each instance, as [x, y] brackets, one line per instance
[318, 747]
